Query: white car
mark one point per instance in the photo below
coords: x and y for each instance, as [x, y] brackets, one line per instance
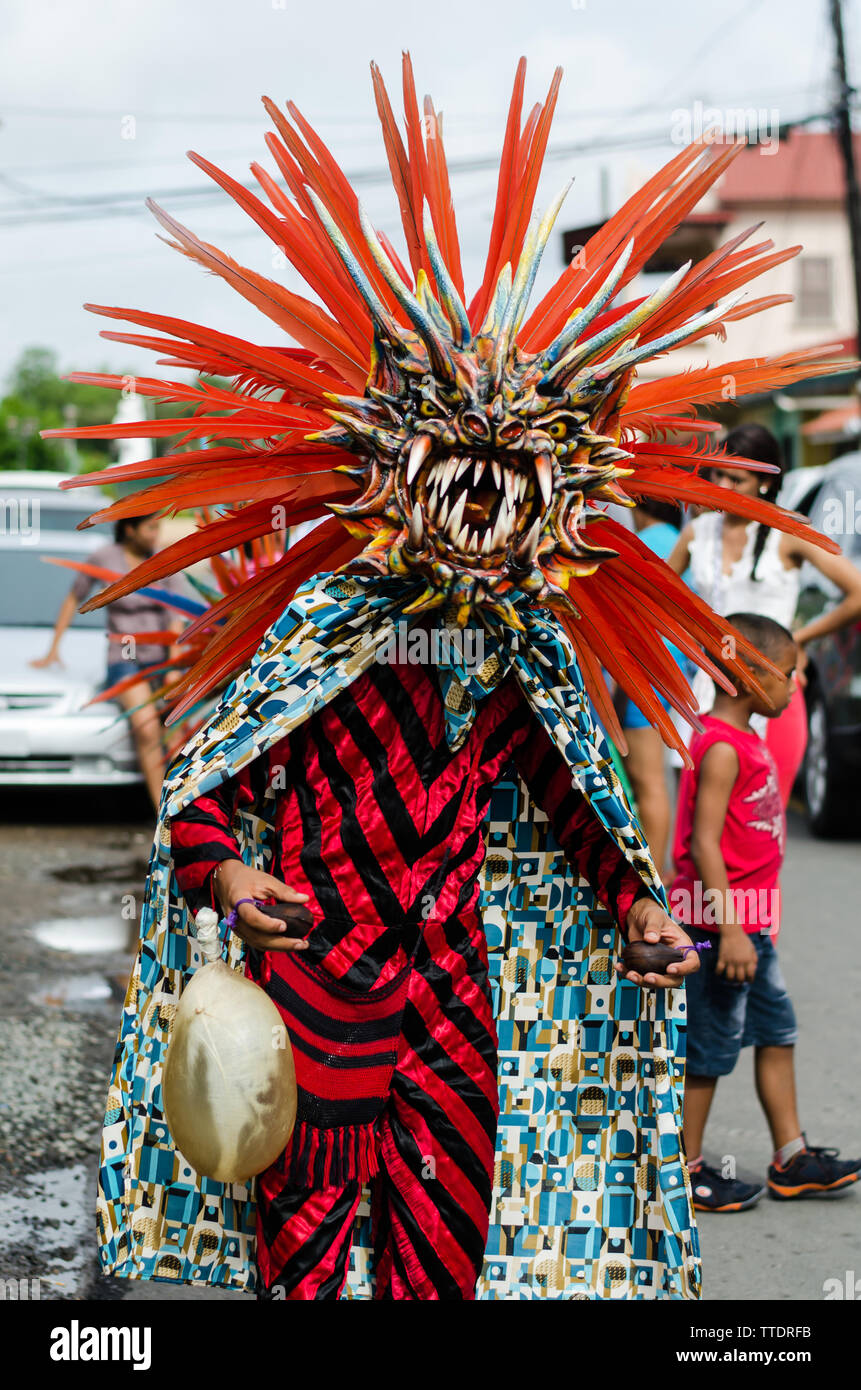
[47, 736]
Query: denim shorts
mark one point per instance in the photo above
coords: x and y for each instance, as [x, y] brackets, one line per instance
[724, 1017]
[120, 671]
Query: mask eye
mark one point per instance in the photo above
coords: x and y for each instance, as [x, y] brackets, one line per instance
[557, 430]
[427, 408]
[477, 425]
[512, 431]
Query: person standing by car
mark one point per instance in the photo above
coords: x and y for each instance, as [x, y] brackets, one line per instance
[739, 565]
[135, 539]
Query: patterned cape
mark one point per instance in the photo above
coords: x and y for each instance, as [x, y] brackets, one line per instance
[591, 1194]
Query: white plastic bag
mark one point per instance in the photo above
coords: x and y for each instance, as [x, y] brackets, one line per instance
[229, 1085]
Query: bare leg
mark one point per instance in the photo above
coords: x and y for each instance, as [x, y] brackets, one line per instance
[699, 1094]
[774, 1073]
[645, 767]
[146, 732]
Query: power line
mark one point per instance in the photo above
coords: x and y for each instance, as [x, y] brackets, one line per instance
[49, 207]
[350, 119]
[744, 12]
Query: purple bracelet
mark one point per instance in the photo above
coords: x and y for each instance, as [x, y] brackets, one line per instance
[230, 919]
[699, 946]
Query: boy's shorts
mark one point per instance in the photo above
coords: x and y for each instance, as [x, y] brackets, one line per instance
[724, 1017]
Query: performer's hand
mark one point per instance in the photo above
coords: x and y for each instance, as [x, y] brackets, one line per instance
[235, 880]
[647, 921]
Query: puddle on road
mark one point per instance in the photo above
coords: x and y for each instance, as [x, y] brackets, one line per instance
[53, 1215]
[73, 992]
[85, 935]
[131, 871]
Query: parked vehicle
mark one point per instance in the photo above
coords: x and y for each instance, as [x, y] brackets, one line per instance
[47, 736]
[832, 766]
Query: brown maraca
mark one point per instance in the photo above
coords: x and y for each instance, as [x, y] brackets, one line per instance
[649, 957]
[295, 915]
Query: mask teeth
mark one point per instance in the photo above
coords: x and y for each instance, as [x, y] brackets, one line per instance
[544, 473]
[417, 529]
[419, 450]
[526, 551]
[448, 486]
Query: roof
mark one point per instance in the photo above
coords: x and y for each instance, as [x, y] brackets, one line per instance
[716, 218]
[805, 167]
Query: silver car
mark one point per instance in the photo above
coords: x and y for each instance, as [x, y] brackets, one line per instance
[47, 736]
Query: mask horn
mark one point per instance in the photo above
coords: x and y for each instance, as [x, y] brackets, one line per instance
[437, 348]
[451, 300]
[617, 332]
[496, 308]
[375, 306]
[669, 340]
[527, 268]
[581, 320]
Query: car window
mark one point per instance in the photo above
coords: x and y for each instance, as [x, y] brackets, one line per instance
[31, 591]
[48, 511]
[60, 518]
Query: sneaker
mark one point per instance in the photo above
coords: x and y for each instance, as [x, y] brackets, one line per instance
[712, 1192]
[812, 1172]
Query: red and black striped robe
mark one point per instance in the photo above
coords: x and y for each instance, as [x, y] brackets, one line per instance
[380, 823]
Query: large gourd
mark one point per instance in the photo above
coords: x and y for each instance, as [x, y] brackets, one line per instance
[229, 1085]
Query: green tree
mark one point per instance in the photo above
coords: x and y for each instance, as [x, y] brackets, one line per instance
[37, 399]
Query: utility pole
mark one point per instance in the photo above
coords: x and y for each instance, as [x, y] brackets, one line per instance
[843, 131]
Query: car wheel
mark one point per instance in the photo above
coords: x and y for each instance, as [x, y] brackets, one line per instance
[826, 801]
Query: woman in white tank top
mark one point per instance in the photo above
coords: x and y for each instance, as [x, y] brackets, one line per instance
[738, 566]
[772, 594]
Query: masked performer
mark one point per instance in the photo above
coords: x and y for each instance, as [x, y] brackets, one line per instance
[516, 1111]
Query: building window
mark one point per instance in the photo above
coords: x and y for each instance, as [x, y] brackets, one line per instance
[814, 289]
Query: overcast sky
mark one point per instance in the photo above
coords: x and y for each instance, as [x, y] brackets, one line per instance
[190, 74]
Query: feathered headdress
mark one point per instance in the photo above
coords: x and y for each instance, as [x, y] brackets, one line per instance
[468, 443]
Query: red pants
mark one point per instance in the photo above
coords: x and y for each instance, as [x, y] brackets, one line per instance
[437, 1135]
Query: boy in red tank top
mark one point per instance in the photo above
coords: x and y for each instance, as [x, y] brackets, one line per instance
[729, 846]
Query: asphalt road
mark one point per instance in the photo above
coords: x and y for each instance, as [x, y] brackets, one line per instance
[71, 873]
